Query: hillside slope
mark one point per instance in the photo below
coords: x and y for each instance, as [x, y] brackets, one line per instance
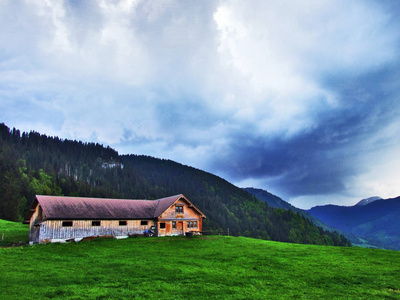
[13, 233]
[277, 202]
[377, 222]
[272, 200]
[208, 267]
[37, 164]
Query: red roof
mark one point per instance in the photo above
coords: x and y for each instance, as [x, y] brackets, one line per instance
[60, 207]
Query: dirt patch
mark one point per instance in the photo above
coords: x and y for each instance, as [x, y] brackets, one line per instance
[14, 244]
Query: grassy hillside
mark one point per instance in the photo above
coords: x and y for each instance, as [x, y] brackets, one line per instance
[197, 268]
[13, 232]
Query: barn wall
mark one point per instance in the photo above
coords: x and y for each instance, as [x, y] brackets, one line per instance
[188, 212]
[170, 216]
[34, 231]
[32, 222]
[53, 229]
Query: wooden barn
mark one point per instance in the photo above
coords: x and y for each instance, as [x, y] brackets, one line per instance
[59, 218]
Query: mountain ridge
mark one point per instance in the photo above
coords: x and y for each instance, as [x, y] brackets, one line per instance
[368, 200]
[376, 222]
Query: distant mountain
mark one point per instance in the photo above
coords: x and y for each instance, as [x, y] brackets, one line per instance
[368, 200]
[377, 223]
[277, 202]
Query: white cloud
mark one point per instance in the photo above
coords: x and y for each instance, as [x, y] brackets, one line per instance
[277, 51]
[381, 164]
[101, 70]
[307, 202]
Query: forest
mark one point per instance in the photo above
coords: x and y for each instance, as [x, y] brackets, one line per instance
[35, 164]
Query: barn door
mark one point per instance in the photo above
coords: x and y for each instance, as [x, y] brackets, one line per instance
[179, 227]
[168, 229]
[36, 232]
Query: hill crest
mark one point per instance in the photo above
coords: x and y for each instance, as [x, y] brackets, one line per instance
[368, 200]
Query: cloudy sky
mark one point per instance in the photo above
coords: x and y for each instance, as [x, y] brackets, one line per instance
[301, 98]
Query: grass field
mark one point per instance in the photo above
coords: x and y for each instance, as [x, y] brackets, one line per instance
[13, 232]
[196, 268]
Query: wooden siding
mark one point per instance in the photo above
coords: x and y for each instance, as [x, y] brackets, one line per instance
[34, 231]
[53, 229]
[170, 215]
[188, 212]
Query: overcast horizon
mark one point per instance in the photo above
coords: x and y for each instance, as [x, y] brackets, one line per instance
[300, 99]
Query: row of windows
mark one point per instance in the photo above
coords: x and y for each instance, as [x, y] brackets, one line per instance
[98, 223]
[191, 224]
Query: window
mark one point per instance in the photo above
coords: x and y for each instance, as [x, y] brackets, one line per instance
[173, 225]
[191, 224]
[67, 224]
[179, 209]
[143, 223]
[122, 223]
[162, 225]
[95, 223]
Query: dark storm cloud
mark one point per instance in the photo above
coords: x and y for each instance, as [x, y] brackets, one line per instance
[321, 160]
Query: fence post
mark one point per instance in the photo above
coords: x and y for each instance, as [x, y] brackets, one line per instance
[2, 237]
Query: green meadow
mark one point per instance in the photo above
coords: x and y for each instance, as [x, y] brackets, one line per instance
[218, 267]
[13, 232]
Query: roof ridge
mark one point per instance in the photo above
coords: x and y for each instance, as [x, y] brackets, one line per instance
[90, 198]
[155, 211]
[67, 207]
